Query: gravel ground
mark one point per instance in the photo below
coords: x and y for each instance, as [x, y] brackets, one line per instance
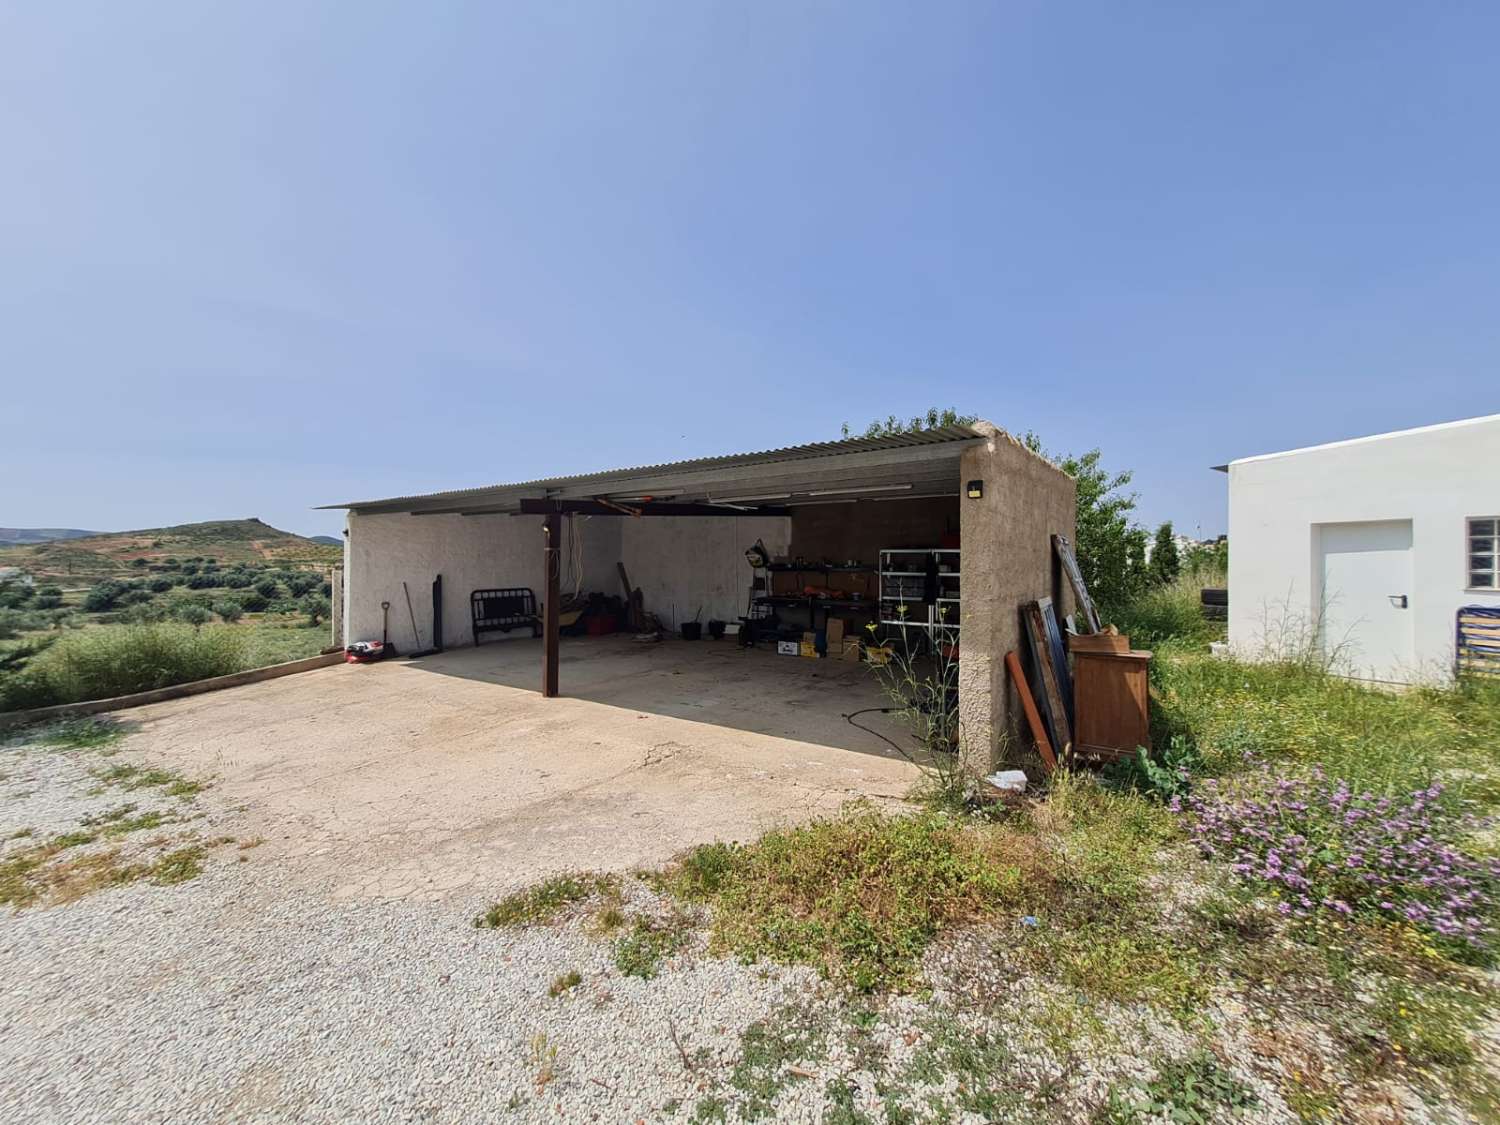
[232, 997]
[219, 1001]
[237, 996]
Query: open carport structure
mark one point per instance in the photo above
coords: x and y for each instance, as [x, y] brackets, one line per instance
[897, 513]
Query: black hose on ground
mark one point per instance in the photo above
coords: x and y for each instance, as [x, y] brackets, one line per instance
[849, 718]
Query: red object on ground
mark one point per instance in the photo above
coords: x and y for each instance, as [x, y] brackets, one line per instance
[599, 624]
[364, 652]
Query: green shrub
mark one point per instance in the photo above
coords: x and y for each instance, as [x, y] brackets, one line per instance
[1171, 612]
[18, 690]
[1165, 563]
[316, 607]
[13, 595]
[230, 611]
[202, 582]
[300, 584]
[193, 614]
[46, 601]
[268, 588]
[121, 659]
[144, 613]
[50, 591]
[160, 585]
[103, 596]
[254, 602]
[13, 622]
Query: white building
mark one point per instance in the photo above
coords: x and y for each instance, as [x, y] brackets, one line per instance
[1366, 550]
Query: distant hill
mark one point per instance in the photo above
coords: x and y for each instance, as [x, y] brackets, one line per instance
[327, 540]
[93, 556]
[16, 536]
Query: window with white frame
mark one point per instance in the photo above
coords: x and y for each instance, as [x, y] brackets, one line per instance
[1484, 553]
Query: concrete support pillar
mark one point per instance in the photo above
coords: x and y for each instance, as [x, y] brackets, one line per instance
[336, 601]
[1007, 560]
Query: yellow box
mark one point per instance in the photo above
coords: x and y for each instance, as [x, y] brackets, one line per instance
[879, 654]
[809, 649]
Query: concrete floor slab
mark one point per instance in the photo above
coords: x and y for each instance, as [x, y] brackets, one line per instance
[443, 775]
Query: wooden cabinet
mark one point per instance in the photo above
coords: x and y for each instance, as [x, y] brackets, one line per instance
[1110, 701]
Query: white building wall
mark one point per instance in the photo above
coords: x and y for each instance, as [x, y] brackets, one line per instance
[1436, 477]
[471, 553]
[686, 563]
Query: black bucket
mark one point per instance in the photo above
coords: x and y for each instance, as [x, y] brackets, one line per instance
[692, 631]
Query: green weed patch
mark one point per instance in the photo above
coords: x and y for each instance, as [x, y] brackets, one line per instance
[87, 733]
[1296, 714]
[640, 952]
[130, 778]
[543, 902]
[179, 866]
[860, 896]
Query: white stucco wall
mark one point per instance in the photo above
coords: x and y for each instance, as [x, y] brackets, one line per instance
[471, 553]
[689, 562]
[696, 562]
[1436, 477]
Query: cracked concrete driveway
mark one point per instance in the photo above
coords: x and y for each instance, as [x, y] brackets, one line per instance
[428, 778]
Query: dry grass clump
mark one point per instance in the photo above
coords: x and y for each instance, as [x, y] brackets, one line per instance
[49, 873]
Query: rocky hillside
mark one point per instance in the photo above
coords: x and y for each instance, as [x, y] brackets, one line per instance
[227, 541]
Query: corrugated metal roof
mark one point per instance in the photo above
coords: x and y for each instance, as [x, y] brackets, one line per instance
[936, 436]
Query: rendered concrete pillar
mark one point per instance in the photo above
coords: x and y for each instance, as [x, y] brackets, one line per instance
[336, 601]
[1007, 560]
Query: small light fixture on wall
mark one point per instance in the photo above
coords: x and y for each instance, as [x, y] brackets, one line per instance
[976, 489]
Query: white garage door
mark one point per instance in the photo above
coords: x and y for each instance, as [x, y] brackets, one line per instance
[1367, 616]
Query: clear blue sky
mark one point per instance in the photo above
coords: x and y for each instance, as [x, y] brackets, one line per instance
[258, 257]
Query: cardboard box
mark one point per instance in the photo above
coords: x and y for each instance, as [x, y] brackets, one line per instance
[787, 648]
[835, 633]
[809, 637]
[850, 650]
[879, 654]
[809, 650]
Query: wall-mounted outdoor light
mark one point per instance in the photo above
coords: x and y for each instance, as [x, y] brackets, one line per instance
[976, 489]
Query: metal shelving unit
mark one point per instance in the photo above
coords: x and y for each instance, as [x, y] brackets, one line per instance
[764, 606]
[924, 580]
